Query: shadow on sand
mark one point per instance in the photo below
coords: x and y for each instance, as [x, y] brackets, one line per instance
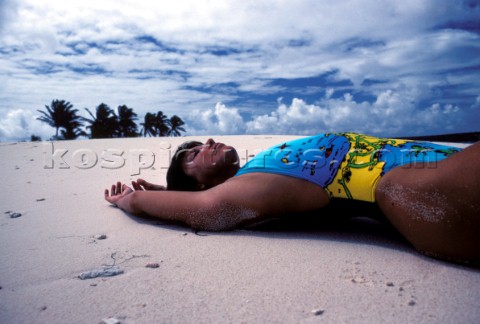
[348, 221]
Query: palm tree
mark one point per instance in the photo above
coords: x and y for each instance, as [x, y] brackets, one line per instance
[72, 128]
[126, 122]
[148, 125]
[155, 124]
[104, 124]
[176, 124]
[72, 131]
[60, 114]
[162, 124]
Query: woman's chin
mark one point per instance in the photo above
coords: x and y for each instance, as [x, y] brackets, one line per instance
[232, 158]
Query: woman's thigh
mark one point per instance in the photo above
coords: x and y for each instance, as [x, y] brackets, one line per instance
[437, 206]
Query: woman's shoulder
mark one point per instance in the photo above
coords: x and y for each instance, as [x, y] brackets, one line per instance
[268, 188]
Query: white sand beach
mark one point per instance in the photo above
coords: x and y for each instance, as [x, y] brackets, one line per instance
[55, 225]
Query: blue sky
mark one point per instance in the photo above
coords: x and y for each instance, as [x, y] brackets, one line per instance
[387, 68]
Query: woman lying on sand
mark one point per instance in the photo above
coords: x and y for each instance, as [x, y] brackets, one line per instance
[430, 193]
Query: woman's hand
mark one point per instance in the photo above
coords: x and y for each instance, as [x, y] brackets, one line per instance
[119, 195]
[141, 184]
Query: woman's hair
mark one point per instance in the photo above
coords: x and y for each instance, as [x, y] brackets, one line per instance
[176, 177]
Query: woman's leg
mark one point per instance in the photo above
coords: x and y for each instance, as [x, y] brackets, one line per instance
[437, 206]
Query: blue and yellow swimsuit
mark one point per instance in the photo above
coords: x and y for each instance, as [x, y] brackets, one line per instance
[347, 165]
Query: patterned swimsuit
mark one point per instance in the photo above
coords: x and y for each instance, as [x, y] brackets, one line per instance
[347, 165]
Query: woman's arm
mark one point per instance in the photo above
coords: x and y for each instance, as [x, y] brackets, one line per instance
[190, 208]
[239, 201]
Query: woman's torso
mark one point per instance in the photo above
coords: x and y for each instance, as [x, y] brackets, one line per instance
[346, 165]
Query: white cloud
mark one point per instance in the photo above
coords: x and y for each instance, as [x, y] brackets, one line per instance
[477, 103]
[92, 51]
[218, 121]
[18, 124]
[392, 114]
[8, 12]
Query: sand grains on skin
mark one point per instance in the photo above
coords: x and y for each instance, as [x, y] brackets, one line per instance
[427, 207]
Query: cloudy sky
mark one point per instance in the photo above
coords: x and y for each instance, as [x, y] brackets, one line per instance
[387, 68]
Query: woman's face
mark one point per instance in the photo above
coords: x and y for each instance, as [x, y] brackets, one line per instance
[211, 163]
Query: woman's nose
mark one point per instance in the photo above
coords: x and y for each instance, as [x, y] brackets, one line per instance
[209, 142]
